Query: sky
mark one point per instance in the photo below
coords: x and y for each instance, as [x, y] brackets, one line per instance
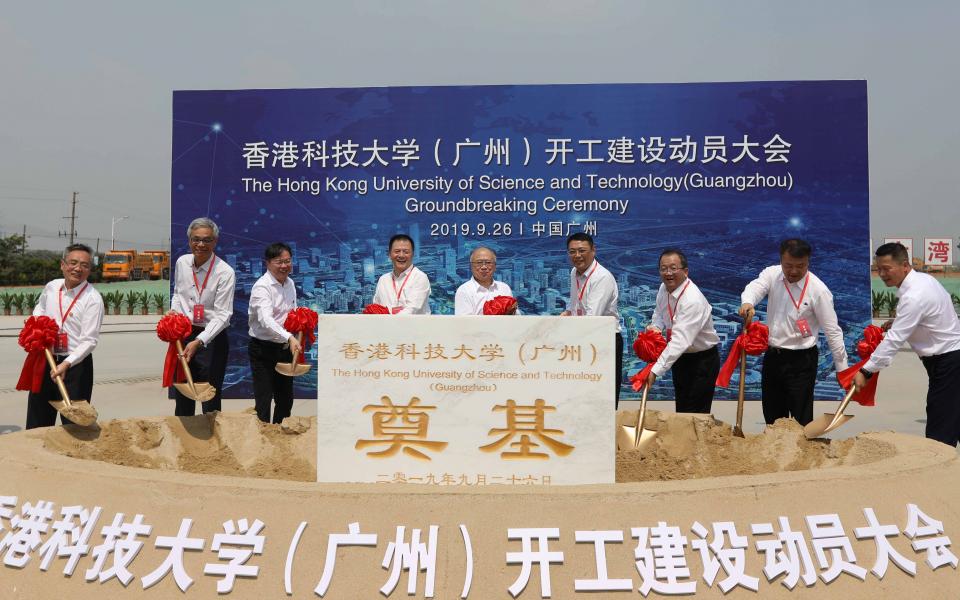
[85, 88]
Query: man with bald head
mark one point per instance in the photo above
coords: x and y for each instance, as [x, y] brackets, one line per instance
[482, 287]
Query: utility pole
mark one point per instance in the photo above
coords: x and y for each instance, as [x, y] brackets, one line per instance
[73, 218]
[23, 247]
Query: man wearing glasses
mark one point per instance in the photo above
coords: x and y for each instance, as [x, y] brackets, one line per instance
[78, 309]
[685, 318]
[405, 290]
[593, 292]
[203, 291]
[799, 304]
[273, 297]
[473, 294]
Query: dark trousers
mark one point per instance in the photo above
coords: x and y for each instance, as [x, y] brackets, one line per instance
[694, 379]
[268, 385]
[209, 364]
[943, 397]
[79, 383]
[619, 375]
[787, 381]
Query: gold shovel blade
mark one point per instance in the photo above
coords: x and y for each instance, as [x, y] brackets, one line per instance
[292, 370]
[646, 438]
[80, 412]
[626, 437]
[204, 391]
[821, 425]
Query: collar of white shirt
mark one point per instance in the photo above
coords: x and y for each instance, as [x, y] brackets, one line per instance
[203, 268]
[402, 275]
[479, 286]
[905, 284]
[586, 273]
[273, 280]
[675, 294]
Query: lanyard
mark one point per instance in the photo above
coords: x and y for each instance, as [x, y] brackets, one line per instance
[796, 303]
[394, 283]
[585, 281]
[196, 283]
[63, 316]
[670, 310]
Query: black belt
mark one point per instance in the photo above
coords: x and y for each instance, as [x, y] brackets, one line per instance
[776, 350]
[937, 357]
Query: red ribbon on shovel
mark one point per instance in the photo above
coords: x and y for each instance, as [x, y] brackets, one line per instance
[648, 346]
[872, 336]
[38, 334]
[173, 328]
[302, 320]
[753, 341]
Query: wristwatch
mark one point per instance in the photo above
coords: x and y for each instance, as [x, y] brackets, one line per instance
[866, 373]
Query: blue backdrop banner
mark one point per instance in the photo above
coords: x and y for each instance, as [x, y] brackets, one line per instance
[723, 171]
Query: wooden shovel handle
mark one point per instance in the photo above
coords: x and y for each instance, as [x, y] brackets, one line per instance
[185, 366]
[53, 367]
[296, 355]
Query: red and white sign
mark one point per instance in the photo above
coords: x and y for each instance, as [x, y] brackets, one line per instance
[938, 251]
[907, 242]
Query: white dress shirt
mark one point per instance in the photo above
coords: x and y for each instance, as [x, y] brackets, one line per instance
[217, 297]
[270, 303]
[925, 318]
[83, 322]
[471, 296]
[816, 306]
[593, 294]
[410, 292]
[691, 329]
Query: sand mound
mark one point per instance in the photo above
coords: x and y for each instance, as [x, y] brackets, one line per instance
[217, 443]
[693, 446]
[237, 444]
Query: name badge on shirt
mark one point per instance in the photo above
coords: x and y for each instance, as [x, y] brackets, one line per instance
[804, 328]
[60, 347]
[669, 333]
[198, 314]
[580, 312]
[395, 310]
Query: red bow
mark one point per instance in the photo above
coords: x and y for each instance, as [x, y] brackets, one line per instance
[501, 305]
[648, 346]
[375, 309]
[171, 329]
[753, 341]
[872, 336]
[38, 334]
[302, 320]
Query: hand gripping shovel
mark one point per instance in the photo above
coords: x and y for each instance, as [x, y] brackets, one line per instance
[738, 428]
[198, 391]
[636, 437]
[294, 368]
[78, 411]
[828, 422]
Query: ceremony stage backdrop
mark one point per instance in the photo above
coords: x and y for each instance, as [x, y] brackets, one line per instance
[723, 171]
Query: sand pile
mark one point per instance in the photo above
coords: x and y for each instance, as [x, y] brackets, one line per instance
[237, 444]
[693, 446]
[217, 443]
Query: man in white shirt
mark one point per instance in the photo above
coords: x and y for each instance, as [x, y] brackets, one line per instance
[927, 320]
[593, 292]
[203, 291]
[78, 309]
[798, 306]
[405, 290]
[472, 295]
[272, 298]
[685, 318]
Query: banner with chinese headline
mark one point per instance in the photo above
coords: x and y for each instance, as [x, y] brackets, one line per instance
[467, 400]
[723, 171]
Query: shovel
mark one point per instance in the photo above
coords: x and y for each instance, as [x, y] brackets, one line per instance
[637, 437]
[198, 391]
[738, 428]
[293, 368]
[828, 422]
[78, 411]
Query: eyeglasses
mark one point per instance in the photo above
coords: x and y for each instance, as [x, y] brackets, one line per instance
[76, 263]
[671, 269]
[483, 263]
[281, 262]
[199, 240]
[578, 251]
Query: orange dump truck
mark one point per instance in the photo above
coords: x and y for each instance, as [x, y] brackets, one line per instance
[130, 265]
